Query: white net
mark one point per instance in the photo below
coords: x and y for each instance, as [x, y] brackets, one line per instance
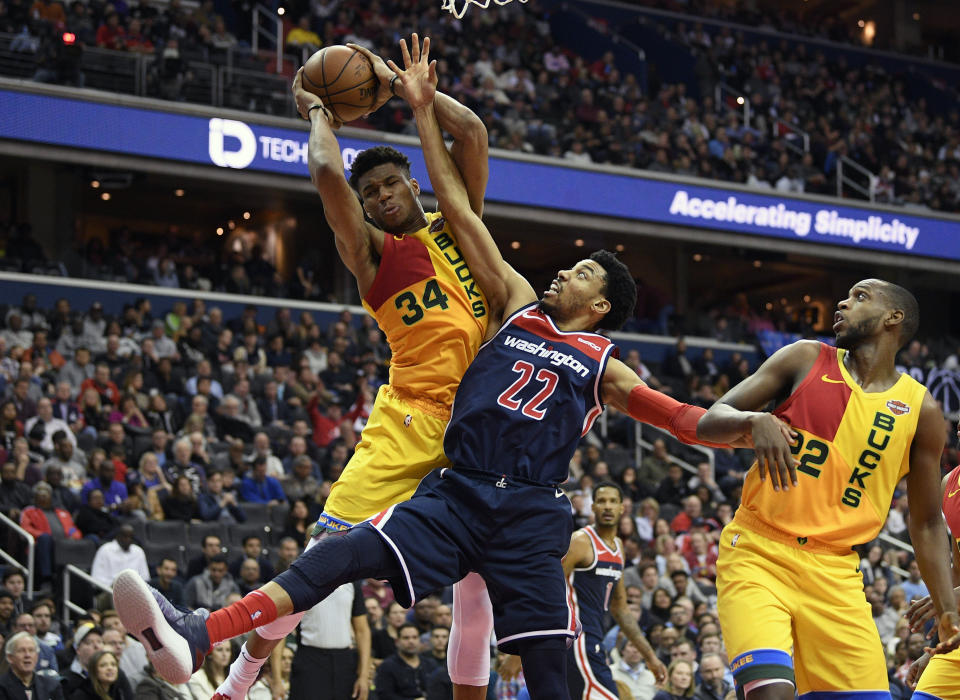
[458, 8]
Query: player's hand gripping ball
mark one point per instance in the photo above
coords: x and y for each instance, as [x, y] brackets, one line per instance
[343, 79]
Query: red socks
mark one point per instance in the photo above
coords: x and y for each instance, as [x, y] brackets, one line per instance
[252, 611]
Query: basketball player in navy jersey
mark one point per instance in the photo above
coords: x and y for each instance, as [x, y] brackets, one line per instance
[536, 386]
[594, 569]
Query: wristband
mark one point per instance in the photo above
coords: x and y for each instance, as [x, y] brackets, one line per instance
[392, 81]
[318, 105]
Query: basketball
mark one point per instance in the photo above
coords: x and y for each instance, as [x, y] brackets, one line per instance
[343, 79]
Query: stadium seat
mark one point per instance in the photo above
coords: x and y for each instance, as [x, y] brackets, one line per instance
[197, 531]
[77, 552]
[278, 515]
[158, 551]
[257, 513]
[236, 533]
[167, 532]
[139, 529]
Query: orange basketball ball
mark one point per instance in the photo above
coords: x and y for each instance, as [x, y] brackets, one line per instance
[343, 79]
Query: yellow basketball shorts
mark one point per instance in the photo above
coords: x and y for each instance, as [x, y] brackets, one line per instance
[399, 446]
[797, 615]
[941, 678]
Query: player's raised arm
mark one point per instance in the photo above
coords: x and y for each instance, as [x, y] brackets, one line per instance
[503, 287]
[927, 531]
[623, 389]
[354, 236]
[740, 411]
[470, 144]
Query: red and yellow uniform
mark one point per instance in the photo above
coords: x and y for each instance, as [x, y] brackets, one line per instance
[941, 677]
[434, 315]
[787, 579]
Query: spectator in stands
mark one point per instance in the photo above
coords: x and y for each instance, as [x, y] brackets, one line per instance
[119, 554]
[211, 588]
[166, 581]
[15, 495]
[94, 519]
[654, 467]
[204, 683]
[213, 503]
[260, 488]
[181, 502]
[914, 587]
[26, 406]
[49, 424]
[46, 658]
[65, 408]
[103, 385]
[301, 484]
[15, 335]
[131, 656]
[23, 679]
[298, 521]
[47, 523]
[673, 488]
[210, 547]
[6, 613]
[249, 578]
[103, 680]
[287, 551]
[114, 492]
[182, 465]
[261, 448]
[405, 673]
[87, 641]
[302, 37]
[633, 673]
[273, 410]
[253, 549]
[10, 425]
[93, 412]
[712, 669]
[43, 616]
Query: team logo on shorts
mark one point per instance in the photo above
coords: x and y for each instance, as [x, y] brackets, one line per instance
[898, 408]
[407, 421]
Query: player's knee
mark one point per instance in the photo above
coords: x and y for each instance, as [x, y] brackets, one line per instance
[769, 689]
[281, 627]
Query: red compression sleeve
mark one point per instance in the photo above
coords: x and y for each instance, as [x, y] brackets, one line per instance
[253, 610]
[651, 406]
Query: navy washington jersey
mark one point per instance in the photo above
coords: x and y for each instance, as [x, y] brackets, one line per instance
[591, 587]
[527, 398]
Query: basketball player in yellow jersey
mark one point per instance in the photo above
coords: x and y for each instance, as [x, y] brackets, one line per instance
[790, 594]
[414, 281]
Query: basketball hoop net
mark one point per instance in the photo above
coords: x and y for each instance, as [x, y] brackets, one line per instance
[451, 5]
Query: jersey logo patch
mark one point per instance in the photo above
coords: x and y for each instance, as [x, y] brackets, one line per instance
[589, 344]
[898, 408]
[437, 225]
[831, 381]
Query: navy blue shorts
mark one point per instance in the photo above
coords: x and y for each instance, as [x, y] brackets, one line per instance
[512, 534]
[588, 675]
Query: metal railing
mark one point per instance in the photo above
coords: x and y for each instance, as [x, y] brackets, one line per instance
[790, 135]
[31, 552]
[68, 605]
[725, 96]
[899, 544]
[866, 187]
[261, 15]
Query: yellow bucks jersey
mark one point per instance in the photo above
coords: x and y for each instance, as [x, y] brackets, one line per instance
[431, 309]
[853, 449]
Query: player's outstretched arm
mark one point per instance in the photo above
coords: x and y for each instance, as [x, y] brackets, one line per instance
[504, 288]
[740, 411]
[624, 390]
[628, 625]
[470, 144]
[354, 236]
[927, 531]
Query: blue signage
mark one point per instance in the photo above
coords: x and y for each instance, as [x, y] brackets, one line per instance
[230, 143]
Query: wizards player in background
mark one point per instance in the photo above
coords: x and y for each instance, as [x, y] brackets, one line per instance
[536, 386]
[790, 591]
[940, 677]
[594, 570]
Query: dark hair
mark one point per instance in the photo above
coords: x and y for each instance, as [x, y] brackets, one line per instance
[217, 559]
[903, 299]
[258, 538]
[207, 537]
[372, 157]
[163, 559]
[618, 287]
[607, 485]
[404, 626]
[10, 573]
